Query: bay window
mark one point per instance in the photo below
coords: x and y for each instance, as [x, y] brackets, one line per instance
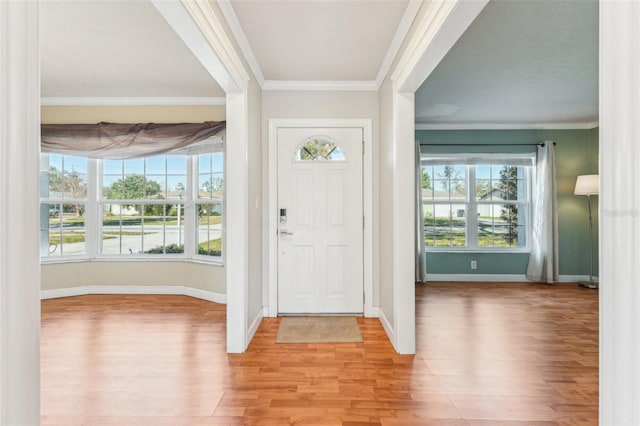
[160, 206]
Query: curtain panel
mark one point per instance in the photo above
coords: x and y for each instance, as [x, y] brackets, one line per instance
[421, 258]
[543, 260]
[122, 141]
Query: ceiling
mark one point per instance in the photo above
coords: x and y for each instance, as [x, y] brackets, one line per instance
[106, 49]
[319, 40]
[521, 62]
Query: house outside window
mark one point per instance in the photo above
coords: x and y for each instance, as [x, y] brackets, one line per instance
[479, 202]
[148, 207]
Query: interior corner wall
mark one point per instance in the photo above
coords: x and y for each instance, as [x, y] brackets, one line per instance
[385, 205]
[255, 203]
[315, 105]
[576, 154]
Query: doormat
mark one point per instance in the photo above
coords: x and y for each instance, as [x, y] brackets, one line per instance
[319, 330]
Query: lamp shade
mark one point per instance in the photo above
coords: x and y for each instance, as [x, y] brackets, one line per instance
[587, 185]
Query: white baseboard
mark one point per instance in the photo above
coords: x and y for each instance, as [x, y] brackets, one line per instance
[134, 289]
[254, 325]
[478, 277]
[386, 325]
[501, 278]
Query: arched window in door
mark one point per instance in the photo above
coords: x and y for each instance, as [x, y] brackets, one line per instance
[320, 148]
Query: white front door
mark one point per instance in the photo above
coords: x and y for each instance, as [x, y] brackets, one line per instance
[320, 229]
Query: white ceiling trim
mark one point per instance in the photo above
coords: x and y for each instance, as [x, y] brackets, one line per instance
[506, 126]
[401, 32]
[126, 101]
[241, 38]
[320, 85]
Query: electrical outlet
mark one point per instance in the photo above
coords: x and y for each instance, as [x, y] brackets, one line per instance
[474, 264]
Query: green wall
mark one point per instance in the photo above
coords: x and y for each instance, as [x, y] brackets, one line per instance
[576, 154]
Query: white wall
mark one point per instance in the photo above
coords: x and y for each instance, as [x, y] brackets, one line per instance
[254, 204]
[318, 104]
[385, 230]
[57, 276]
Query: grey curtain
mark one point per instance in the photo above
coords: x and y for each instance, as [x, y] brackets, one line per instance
[421, 259]
[120, 141]
[543, 260]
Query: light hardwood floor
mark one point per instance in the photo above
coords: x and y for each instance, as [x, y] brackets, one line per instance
[488, 354]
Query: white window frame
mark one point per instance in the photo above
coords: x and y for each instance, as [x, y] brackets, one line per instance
[469, 161]
[93, 219]
[63, 200]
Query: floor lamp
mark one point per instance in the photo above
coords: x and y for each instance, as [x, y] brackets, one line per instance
[588, 185]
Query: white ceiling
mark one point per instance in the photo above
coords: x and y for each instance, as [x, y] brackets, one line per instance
[105, 49]
[522, 62]
[319, 40]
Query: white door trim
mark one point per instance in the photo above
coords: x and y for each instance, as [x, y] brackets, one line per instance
[271, 309]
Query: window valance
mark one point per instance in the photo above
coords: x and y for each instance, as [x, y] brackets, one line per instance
[122, 140]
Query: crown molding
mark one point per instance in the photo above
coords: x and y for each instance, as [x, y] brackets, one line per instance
[126, 101]
[320, 85]
[507, 126]
[241, 39]
[396, 43]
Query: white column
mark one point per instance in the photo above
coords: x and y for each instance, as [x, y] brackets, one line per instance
[403, 223]
[619, 213]
[19, 214]
[236, 219]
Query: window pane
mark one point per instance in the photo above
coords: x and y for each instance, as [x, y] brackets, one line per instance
[176, 187]
[217, 162]
[176, 165]
[501, 225]
[483, 189]
[155, 238]
[204, 163]
[175, 226]
[155, 165]
[446, 225]
[449, 182]
[155, 187]
[320, 148]
[209, 233]
[62, 229]
[109, 191]
[112, 167]
[134, 166]
[122, 229]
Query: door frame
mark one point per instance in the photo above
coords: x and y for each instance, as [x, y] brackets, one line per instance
[271, 265]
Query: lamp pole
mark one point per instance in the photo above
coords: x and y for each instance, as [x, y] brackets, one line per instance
[590, 284]
[588, 185]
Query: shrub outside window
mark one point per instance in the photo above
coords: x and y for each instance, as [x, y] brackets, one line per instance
[477, 202]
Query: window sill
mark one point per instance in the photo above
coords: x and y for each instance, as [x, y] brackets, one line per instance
[140, 259]
[476, 251]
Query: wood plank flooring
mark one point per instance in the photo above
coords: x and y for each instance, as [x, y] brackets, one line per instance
[488, 354]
